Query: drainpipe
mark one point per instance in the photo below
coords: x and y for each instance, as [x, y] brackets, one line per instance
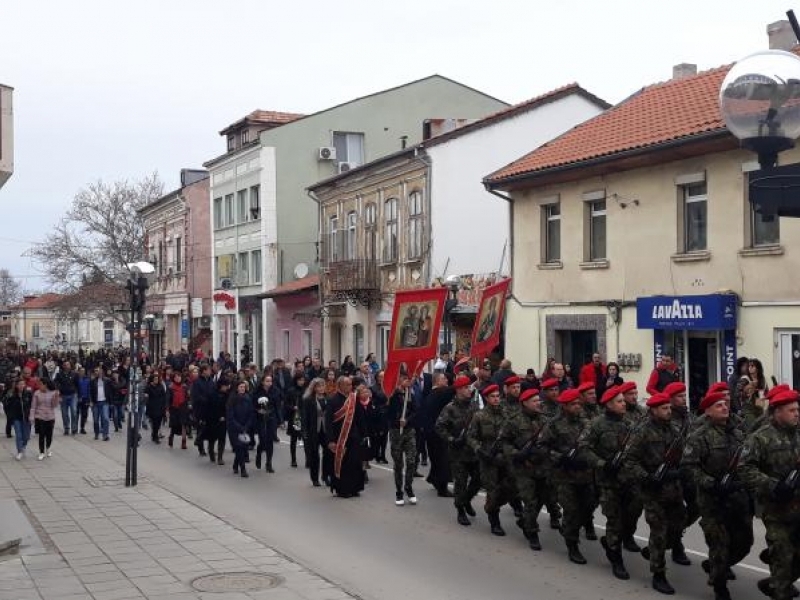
[510, 226]
[422, 157]
[314, 197]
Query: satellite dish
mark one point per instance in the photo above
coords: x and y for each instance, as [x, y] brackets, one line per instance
[300, 270]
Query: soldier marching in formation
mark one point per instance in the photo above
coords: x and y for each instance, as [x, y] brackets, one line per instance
[570, 450]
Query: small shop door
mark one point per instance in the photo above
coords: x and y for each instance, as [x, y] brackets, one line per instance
[702, 364]
[789, 358]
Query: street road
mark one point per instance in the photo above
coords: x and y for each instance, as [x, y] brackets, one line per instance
[379, 551]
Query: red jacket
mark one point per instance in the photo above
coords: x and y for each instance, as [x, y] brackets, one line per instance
[653, 382]
[588, 373]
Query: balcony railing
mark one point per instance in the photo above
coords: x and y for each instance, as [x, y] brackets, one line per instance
[356, 274]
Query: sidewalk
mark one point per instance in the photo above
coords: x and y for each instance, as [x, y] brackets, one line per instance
[96, 539]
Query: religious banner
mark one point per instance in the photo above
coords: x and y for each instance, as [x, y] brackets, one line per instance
[414, 334]
[486, 332]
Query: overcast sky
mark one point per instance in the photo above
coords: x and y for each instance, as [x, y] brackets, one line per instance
[110, 89]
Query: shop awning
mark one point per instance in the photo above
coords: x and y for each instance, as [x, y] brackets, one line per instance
[298, 286]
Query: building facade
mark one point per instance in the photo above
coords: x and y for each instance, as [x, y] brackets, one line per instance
[177, 228]
[411, 219]
[6, 133]
[285, 160]
[633, 235]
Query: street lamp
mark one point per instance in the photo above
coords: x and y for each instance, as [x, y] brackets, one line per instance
[137, 285]
[453, 284]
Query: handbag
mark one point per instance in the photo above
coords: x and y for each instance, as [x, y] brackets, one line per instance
[244, 438]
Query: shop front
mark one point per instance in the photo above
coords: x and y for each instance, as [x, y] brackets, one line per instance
[699, 332]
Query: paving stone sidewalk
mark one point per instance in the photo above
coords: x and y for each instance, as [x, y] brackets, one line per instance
[103, 541]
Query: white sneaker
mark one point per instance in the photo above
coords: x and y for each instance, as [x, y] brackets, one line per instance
[399, 500]
[41, 457]
[19, 456]
[412, 498]
[49, 453]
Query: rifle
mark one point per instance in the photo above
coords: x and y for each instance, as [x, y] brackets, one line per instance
[793, 478]
[673, 454]
[497, 445]
[527, 448]
[616, 461]
[726, 479]
[459, 439]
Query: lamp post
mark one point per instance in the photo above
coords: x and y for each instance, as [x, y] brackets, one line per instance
[453, 284]
[137, 288]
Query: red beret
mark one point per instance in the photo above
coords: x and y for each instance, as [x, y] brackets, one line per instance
[785, 397]
[528, 394]
[489, 389]
[550, 383]
[777, 390]
[658, 400]
[461, 381]
[511, 380]
[711, 398]
[568, 396]
[720, 386]
[626, 387]
[585, 387]
[674, 388]
[610, 394]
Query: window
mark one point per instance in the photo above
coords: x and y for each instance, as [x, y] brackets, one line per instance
[36, 331]
[231, 142]
[255, 202]
[226, 265]
[349, 147]
[350, 240]
[255, 266]
[218, 213]
[287, 342]
[161, 258]
[229, 210]
[245, 136]
[307, 341]
[333, 232]
[242, 213]
[552, 232]
[766, 229]
[695, 217]
[382, 335]
[178, 254]
[416, 225]
[390, 231]
[242, 269]
[358, 343]
[597, 230]
[370, 231]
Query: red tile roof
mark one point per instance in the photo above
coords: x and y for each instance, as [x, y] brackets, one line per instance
[293, 287]
[663, 112]
[44, 301]
[263, 117]
[518, 109]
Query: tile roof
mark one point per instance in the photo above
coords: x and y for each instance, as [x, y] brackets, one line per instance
[263, 117]
[660, 113]
[518, 109]
[44, 301]
[292, 287]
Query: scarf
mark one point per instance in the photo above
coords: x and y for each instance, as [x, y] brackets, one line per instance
[346, 414]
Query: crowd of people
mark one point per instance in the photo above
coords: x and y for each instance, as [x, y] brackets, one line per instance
[568, 445]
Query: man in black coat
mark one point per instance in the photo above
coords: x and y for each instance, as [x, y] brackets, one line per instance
[201, 394]
[441, 395]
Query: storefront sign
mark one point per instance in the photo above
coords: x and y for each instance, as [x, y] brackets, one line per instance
[712, 312]
[728, 350]
[658, 345]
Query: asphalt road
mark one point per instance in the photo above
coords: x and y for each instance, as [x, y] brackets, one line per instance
[378, 551]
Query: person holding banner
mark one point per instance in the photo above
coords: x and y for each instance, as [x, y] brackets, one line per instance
[344, 427]
[402, 415]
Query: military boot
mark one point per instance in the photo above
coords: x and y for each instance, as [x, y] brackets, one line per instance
[516, 505]
[660, 584]
[630, 545]
[679, 555]
[591, 535]
[533, 541]
[462, 518]
[494, 522]
[721, 590]
[574, 553]
[469, 510]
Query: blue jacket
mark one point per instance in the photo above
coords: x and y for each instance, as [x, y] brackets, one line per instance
[83, 387]
[240, 416]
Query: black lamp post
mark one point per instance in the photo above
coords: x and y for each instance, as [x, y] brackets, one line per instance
[453, 284]
[137, 288]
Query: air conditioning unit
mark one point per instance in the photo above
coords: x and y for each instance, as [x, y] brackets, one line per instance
[205, 322]
[344, 167]
[226, 283]
[327, 153]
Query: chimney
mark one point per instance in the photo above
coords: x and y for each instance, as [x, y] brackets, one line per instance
[684, 70]
[781, 36]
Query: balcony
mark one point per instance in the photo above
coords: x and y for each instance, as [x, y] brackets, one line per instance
[356, 274]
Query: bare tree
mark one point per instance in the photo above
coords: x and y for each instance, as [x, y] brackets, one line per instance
[10, 289]
[98, 236]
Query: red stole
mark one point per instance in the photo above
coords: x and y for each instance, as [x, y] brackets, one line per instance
[346, 412]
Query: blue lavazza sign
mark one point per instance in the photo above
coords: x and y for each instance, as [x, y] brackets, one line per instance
[711, 312]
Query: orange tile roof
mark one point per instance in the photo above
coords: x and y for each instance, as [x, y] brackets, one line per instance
[292, 287]
[660, 113]
[44, 301]
[271, 116]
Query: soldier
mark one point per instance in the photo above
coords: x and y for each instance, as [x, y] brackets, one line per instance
[530, 464]
[484, 435]
[452, 426]
[512, 387]
[550, 397]
[770, 463]
[573, 477]
[603, 444]
[590, 411]
[712, 455]
[634, 412]
[652, 459]
[682, 419]
[635, 415]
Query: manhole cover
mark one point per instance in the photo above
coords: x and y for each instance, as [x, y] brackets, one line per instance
[236, 582]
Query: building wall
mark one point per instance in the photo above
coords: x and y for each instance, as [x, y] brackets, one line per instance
[198, 253]
[285, 309]
[6, 133]
[463, 213]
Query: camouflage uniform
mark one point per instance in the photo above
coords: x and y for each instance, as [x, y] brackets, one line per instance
[600, 442]
[769, 455]
[484, 431]
[663, 502]
[549, 408]
[574, 479]
[463, 463]
[683, 420]
[531, 471]
[726, 515]
[635, 416]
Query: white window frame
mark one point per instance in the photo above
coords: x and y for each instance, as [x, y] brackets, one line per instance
[218, 214]
[333, 234]
[255, 202]
[308, 342]
[350, 240]
[370, 230]
[549, 217]
[353, 144]
[255, 266]
[598, 213]
[229, 211]
[178, 254]
[242, 208]
[243, 269]
[391, 230]
[690, 198]
[416, 225]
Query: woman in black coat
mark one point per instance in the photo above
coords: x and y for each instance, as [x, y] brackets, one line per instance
[17, 405]
[266, 403]
[291, 407]
[239, 416]
[380, 427]
[314, 439]
[156, 405]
